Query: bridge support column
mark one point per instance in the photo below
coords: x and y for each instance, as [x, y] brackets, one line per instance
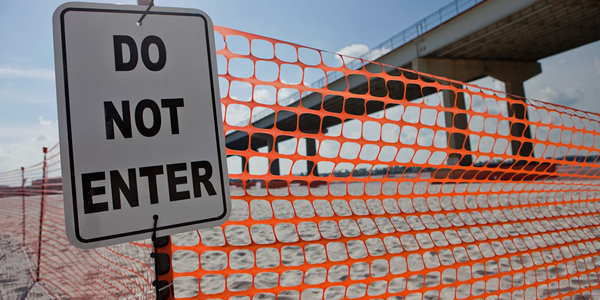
[516, 88]
[311, 151]
[451, 99]
[273, 145]
[512, 73]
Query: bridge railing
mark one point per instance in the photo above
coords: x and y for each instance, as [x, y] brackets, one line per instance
[405, 36]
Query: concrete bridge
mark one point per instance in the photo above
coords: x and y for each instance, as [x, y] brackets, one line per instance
[465, 40]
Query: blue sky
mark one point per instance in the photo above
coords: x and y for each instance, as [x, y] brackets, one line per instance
[27, 90]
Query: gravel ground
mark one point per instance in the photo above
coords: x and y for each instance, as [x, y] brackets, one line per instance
[16, 283]
[15, 277]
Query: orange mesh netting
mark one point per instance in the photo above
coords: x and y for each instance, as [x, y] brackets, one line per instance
[379, 182]
[36, 259]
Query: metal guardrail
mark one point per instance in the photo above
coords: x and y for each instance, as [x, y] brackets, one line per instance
[402, 38]
[407, 35]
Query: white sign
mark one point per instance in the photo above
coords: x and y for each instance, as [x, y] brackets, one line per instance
[140, 122]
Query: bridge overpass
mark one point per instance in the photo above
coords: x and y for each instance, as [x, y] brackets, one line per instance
[465, 40]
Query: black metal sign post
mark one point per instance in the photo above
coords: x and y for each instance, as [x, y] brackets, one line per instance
[155, 255]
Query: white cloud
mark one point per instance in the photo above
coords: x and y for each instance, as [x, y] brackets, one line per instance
[569, 96]
[547, 94]
[498, 85]
[237, 115]
[597, 64]
[36, 73]
[425, 137]
[264, 96]
[45, 123]
[41, 96]
[361, 51]
[16, 86]
[354, 50]
[285, 81]
[285, 96]
[22, 146]
[378, 52]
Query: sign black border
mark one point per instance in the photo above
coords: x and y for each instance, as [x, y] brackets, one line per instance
[68, 115]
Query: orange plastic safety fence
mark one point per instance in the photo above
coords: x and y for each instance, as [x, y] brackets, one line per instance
[386, 183]
[47, 266]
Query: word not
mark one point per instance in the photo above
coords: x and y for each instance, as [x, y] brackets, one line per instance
[199, 171]
[112, 116]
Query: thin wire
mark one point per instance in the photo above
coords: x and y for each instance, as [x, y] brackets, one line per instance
[147, 292]
[139, 23]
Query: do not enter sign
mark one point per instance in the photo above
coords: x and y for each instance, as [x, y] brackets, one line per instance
[140, 122]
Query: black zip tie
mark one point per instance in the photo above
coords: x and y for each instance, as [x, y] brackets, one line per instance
[155, 217]
[139, 23]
